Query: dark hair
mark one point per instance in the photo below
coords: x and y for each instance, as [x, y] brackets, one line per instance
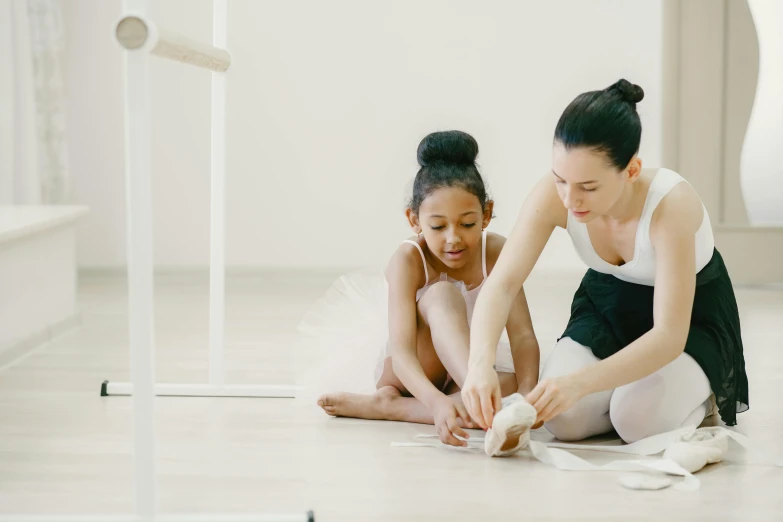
[605, 121]
[447, 159]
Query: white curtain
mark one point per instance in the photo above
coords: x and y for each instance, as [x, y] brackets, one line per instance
[33, 147]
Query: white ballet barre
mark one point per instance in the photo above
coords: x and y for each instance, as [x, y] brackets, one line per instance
[200, 390]
[304, 517]
[136, 33]
[141, 37]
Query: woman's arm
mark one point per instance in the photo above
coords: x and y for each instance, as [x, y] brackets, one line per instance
[522, 338]
[675, 222]
[541, 212]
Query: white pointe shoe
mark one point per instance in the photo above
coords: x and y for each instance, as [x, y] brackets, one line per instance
[695, 450]
[510, 431]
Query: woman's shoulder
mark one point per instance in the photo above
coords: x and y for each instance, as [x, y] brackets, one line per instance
[546, 202]
[680, 208]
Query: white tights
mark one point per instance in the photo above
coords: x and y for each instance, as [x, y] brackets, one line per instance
[675, 396]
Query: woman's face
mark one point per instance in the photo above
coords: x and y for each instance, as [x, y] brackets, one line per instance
[588, 184]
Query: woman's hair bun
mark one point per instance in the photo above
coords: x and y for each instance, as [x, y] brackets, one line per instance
[630, 92]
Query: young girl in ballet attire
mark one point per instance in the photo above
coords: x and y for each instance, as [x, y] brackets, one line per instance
[416, 326]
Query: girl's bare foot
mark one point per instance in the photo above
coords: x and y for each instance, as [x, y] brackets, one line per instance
[385, 404]
[372, 407]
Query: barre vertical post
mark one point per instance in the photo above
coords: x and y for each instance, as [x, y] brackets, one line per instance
[138, 193]
[217, 290]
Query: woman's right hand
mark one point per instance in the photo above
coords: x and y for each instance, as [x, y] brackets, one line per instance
[446, 413]
[481, 395]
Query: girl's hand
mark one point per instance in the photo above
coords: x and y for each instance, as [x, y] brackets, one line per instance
[481, 395]
[446, 412]
[551, 397]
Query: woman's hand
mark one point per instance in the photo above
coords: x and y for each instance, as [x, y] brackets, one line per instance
[551, 397]
[446, 413]
[481, 395]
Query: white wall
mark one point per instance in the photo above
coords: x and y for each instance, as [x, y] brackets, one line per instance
[326, 104]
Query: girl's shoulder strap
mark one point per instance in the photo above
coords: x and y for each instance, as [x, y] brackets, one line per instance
[484, 253]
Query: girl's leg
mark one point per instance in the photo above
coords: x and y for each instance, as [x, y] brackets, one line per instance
[410, 409]
[442, 308]
[675, 396]
[377, 406]
[387, 403]
[589, 416]
[443, 342]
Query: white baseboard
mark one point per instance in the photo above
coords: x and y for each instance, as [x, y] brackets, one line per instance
[16, 351]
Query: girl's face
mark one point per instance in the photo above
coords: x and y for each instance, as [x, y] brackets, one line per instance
[587, 184]
[451, 220]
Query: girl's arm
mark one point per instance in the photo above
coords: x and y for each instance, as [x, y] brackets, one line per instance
[405, 277]
[524, 345]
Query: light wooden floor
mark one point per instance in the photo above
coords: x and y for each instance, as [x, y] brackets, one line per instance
[64, 449]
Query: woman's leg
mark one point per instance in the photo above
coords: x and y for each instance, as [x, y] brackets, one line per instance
[675, 396]
[589, 416]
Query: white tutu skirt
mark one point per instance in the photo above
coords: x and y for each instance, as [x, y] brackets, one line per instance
[346, 335]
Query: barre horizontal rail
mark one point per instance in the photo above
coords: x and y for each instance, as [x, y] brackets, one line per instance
[135, 33]
[283, 517]
[109, 389]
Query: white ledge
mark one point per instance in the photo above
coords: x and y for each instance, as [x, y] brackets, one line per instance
[22, 221]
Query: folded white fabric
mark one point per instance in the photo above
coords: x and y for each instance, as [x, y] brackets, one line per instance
[645, 482]
[510, 431]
